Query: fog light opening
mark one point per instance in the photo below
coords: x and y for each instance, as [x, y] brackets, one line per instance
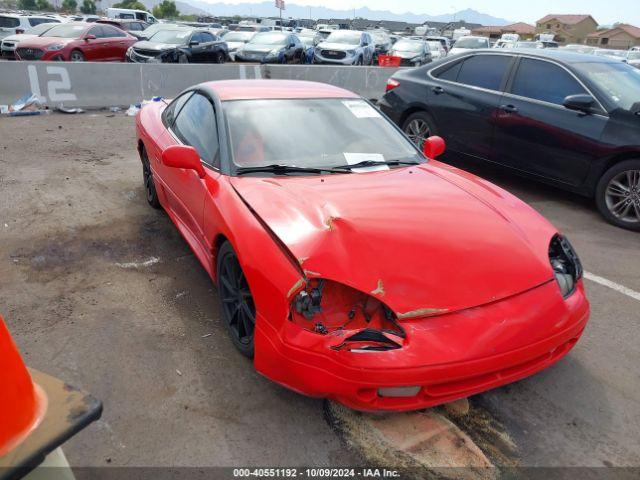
[398, 391]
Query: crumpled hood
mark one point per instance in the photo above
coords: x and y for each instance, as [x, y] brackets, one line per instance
[255, 48]
[422, 239]
[404, 54]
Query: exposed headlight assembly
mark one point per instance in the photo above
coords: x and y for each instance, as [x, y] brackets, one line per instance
[565, 263]
[326, 307]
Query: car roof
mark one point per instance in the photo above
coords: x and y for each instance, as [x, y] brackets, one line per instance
[274, 89]
[565, 56]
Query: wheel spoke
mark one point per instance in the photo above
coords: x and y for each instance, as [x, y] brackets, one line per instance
[617, 189]
[230, 288]
[248, 313]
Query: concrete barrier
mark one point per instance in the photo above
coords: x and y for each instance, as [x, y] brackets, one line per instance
[94, 85]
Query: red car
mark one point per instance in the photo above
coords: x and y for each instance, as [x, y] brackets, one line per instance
[77, 42]
[349, 264]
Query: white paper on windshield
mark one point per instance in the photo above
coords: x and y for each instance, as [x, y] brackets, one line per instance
[353, 158]
[361, 109]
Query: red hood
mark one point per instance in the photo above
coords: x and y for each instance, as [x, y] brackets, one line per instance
[425, 240]
[41, 42]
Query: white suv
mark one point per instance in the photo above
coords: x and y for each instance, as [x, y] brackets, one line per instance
[11, 24]
[346, 47]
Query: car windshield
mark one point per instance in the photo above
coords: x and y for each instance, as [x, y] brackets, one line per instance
[238, 36]
[408, 46]
[345, 37]
[42, 28]
[471, 43]
[174, 37]
[312, 133]
[618, 81]
[307, 41]
[66, 31]
[269, 38]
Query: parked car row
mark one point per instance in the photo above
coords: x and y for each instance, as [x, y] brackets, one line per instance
[564, 118]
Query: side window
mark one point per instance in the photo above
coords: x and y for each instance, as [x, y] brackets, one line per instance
[196, 126]
[111, 32]
[173, 109]
[196, 37]
[206, 37]
[544, 81]
[485, 71]
[449, 72]
[96, 32]
[135, 26]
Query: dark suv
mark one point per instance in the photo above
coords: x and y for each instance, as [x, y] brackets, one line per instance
[568, 119]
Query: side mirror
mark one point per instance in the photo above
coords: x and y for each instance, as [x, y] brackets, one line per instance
[194, 43]
[433, 147]
[183, 156]
[90, 37]
[581, 102]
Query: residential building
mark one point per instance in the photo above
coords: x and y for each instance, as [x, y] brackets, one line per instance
[525, 31]
[567, 28]
[622, 36]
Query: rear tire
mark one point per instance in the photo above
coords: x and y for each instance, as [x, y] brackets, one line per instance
[418, 127]
[219, 57]
[237, 309]
[149, 184]
[618, 195]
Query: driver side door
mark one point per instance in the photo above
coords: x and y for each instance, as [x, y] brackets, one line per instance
[194, 125]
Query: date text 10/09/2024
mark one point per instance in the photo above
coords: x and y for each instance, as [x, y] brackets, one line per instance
[315, 473]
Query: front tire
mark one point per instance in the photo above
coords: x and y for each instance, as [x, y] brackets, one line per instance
[76, 56]
[219, 57]
[618, 195]
[237, 309]
[418, 127]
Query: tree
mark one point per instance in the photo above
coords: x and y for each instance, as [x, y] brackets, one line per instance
[132, 4]
[27, 4]
[44, 5]
[88, 7]
[69, 5]
[166, 9]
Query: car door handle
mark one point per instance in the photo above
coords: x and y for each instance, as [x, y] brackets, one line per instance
[509, 108]
[438, 90]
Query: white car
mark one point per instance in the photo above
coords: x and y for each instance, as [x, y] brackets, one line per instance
[466, 44]
[11, 24]
[437, 50]
[346, 47]
[8, 44]
[614, 54]
[236, 40]
[633, 58]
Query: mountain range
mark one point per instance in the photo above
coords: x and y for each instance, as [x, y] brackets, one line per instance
[267, 9]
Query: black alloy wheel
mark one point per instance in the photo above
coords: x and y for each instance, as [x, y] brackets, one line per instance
[236, 302]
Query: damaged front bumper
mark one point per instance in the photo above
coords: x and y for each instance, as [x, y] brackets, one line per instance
[441, 358]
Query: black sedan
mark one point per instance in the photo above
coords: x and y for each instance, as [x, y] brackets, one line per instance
[272, 47]
[179, 45]
[567, 119]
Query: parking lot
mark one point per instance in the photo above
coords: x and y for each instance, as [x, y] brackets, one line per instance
[101, 290]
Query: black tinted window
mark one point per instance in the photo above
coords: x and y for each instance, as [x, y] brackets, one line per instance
[96, 32]
[544, 81]
[9, 22]
[486, 71]
[206, 37]
[449, 72]
[196, 126]
[135, 26]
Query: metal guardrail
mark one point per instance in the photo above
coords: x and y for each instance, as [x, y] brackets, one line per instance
[96, 85]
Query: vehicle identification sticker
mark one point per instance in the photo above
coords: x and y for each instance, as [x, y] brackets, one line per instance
[353, 158]
[361, 109]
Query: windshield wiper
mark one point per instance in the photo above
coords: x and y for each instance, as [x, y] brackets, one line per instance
[375, 163]
[284, 169]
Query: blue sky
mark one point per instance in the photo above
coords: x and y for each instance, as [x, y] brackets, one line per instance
[604, 11]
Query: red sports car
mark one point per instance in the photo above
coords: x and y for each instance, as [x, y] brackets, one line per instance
[77, 42]
[349, 264]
